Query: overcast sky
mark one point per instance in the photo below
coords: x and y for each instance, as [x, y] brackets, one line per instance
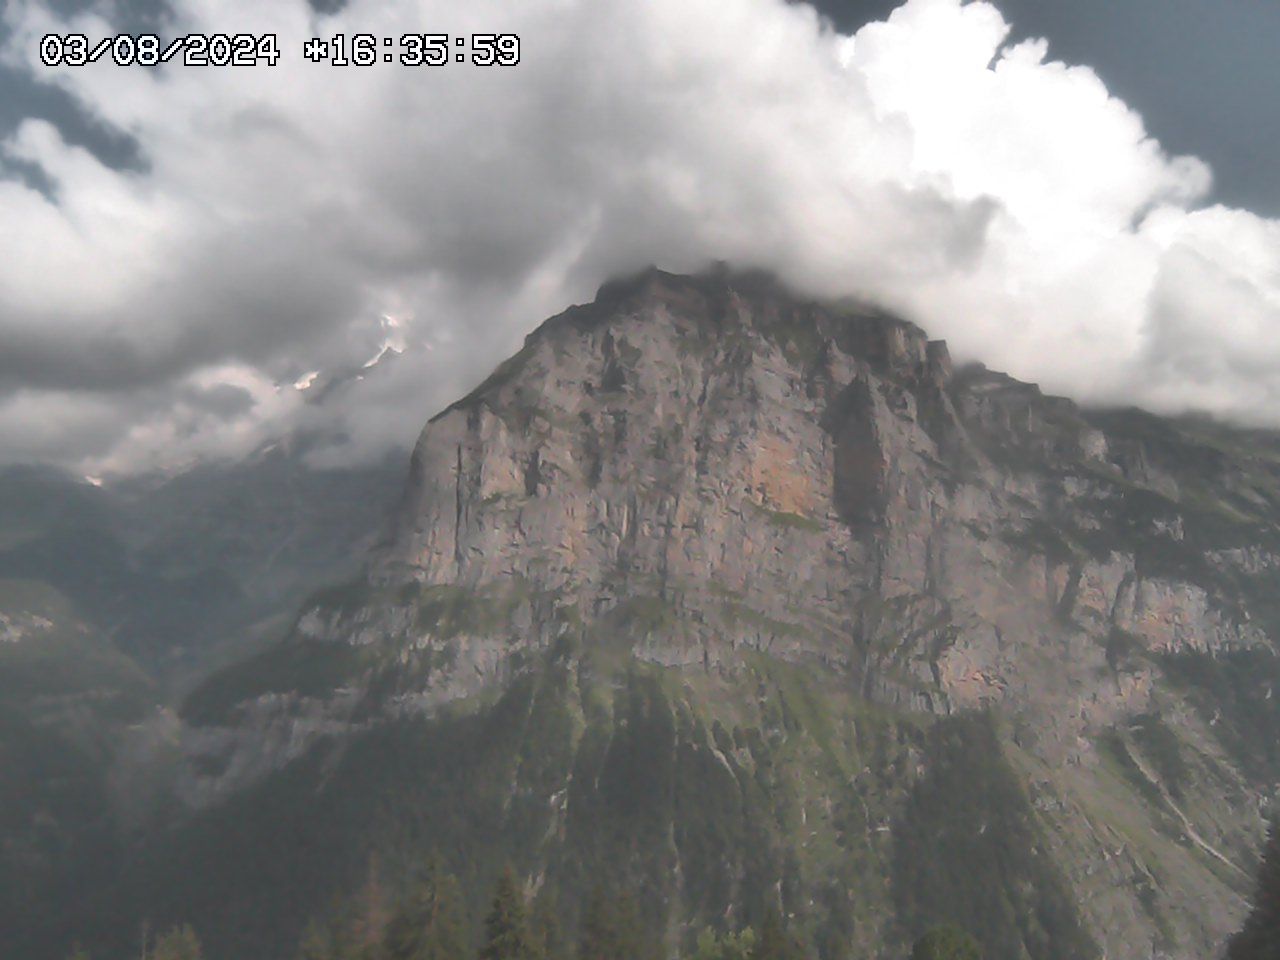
[187, 254]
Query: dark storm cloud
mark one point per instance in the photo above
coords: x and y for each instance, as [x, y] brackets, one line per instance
[245, 295]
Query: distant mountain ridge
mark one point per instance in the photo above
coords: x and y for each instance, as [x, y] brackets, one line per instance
[113, 597]
[748, 601]
[169, 565]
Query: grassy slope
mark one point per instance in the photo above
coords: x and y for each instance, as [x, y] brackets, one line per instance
[711, 795]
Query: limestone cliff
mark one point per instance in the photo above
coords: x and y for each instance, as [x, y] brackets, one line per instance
[698, 473]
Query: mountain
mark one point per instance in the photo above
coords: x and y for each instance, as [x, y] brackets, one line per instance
[174, 567]
[114, 598]
[743, 601]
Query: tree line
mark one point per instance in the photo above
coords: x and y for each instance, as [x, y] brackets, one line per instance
[1260, 938]
[429, 922]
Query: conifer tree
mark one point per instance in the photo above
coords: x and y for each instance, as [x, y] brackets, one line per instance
[729, 946]
[597, 932]
[344, 943]
[1260, 938]
[775, 942]
[367, 917]
[506, 928]
[545, 926]
[178, 943]
[611, 928]
[428, 924]
[317, 943]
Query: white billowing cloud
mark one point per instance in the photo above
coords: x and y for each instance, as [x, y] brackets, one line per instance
[302, 217]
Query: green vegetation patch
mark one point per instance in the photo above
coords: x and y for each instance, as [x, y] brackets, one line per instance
[65, 661]
[344, 598]
[786, 520]
[54, 819]
[1115, 752]
[446, 611]
[740, 615]
[316, 668]
[714, 797]
[968, 853]
[1161, 747]
[307, 667]
[1238, 694]
[641, 616]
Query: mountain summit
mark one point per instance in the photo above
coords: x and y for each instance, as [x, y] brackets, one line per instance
[751, 602]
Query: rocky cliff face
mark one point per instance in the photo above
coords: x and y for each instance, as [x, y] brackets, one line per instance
[702, 475]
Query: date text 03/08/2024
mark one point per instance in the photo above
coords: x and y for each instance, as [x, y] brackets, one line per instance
[248, 50]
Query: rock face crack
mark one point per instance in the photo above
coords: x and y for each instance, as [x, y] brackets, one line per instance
[459, 504]
[1067, 602]
[861, 464]
[533, 473]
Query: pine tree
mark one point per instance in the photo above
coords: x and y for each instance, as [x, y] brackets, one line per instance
[506, 928]
[344, 942]
[178, 943]
[545, 926]
[597, 933]
[730, 946]
[428, 924]
[740, 945]
[369, 916]
[317, 943]
[611, 928]
[342, 933]
[775, 942]
[1260, 938]
[708, 946]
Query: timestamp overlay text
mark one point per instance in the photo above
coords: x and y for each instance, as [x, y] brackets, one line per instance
[265, 49]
